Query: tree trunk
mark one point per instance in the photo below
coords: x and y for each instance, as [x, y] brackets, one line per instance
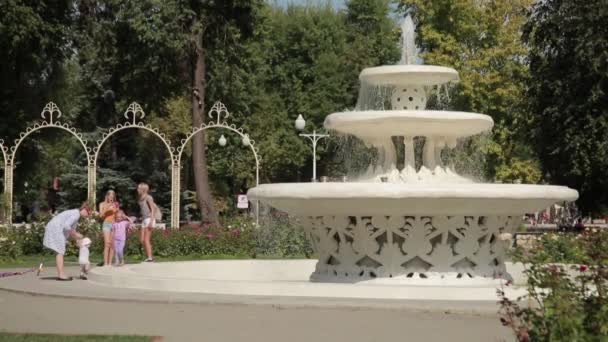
[199, 144]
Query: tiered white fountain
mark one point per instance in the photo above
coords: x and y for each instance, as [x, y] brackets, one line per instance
[423, 221]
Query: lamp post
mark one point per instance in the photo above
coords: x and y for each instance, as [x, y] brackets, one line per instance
[300, 123]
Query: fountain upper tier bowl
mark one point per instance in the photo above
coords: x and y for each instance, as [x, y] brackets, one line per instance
[318, 199]
[409, 123]
[423, 75]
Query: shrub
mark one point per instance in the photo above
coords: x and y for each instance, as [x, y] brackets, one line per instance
[237, 236]
[10, 248]
[281, 236]
[568, 303]
[553, 248]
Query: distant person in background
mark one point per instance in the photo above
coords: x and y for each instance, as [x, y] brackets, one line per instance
[59, 229]
[149, 212]
[579, 227]
[52, 197]
[107, 210]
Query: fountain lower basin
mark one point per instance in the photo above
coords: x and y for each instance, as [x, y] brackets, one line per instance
[396, 230]
[303, 199]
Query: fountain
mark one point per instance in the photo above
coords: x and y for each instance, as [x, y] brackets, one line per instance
[420, 231]
[420, 222]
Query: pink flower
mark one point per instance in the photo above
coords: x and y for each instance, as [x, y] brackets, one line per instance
[210, 236]
[583, 268]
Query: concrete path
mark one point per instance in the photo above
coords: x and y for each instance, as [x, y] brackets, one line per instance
[30, 304]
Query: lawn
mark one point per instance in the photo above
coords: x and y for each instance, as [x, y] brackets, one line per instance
[10, 337]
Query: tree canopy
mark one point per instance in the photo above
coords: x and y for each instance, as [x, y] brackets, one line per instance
[546, 93]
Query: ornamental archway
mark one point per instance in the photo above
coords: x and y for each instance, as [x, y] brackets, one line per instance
[53, 113]
[218, 115]
[4, 150]
[131, 114]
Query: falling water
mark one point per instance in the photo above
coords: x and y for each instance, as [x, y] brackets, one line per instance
[409, 54]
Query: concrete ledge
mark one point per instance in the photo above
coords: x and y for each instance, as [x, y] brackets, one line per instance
[78, 289]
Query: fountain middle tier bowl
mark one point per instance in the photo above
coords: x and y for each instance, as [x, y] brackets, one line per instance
[412, 74]
[369, 199]
[386, 123]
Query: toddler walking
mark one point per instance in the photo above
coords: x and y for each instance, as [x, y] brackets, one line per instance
[83, 257]
[119, 233]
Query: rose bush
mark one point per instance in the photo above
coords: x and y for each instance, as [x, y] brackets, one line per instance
[566, 302]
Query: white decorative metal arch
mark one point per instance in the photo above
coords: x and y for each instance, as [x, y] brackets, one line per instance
[134, 110]
[4, 150]
[218, 114]
[51, 109]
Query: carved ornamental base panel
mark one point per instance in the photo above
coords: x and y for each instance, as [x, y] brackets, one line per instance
[364, 247]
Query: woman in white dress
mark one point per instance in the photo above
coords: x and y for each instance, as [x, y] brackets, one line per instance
[59, 229]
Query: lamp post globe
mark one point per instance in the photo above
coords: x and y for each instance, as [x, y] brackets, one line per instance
[246, 140]
[300, 123]
[222, 141]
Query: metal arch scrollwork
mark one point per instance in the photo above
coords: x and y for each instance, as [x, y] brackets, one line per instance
[131, 114]
[135, 110]
[219, 112]
[51, 108]
[4, 150]
[53, 112]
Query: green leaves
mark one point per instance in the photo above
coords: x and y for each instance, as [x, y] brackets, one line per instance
[568, 91]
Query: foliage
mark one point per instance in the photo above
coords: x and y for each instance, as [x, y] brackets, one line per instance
[568, 91]
[238, 236]
[34, 40]
[9, 245]
[481, 39]
[281, 236]
[553, 248]
[568, 303]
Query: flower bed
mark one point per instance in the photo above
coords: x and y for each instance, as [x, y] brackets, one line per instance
[565, 302]
[237, 236]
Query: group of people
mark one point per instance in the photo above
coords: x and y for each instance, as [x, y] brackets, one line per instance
[114, 227]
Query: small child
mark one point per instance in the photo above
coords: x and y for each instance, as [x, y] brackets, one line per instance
[119, 233]
[83, 257]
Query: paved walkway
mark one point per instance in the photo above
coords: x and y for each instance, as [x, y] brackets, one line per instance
[30, 304]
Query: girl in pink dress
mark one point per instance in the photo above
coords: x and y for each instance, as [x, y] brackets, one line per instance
[119, 234]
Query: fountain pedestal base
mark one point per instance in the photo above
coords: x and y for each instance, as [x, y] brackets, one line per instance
[353, 248]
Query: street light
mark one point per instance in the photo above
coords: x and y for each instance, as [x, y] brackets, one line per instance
[300, 123]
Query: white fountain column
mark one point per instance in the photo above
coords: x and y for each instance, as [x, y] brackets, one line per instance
[408, 173]
[439, 170]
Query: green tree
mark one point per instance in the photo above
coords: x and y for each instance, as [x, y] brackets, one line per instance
[568, 91]
[34, 40]
[481, 39]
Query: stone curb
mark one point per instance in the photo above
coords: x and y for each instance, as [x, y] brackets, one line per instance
[283, 303]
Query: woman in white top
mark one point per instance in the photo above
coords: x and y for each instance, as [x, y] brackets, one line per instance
[59, 229]
[148, 215]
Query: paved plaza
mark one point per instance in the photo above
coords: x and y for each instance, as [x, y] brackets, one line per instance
[43, 305]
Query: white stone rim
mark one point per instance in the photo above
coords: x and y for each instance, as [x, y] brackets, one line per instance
[424, 75]
[335, 190]
[409, 122]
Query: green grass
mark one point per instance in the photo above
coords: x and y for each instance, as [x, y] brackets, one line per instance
[29, 261]
[9, 337]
